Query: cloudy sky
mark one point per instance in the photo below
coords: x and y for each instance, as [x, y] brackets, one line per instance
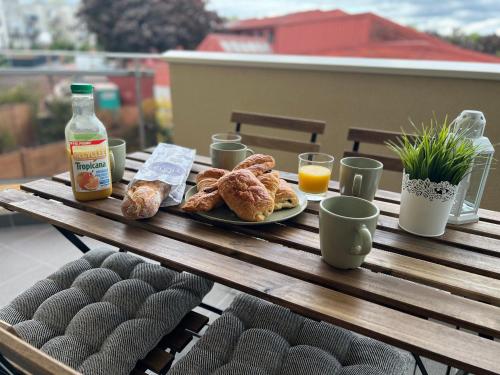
[472, 16]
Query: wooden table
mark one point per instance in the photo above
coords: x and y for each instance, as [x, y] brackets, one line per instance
[404, 292]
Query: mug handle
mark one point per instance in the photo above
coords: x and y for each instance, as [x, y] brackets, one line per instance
[356, 185]
[250, 152]
[362, 241]
[111, 161]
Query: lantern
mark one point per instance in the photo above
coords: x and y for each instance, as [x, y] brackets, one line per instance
[471, 188]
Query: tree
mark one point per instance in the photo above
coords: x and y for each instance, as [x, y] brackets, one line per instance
[147, 25]
[482, 43]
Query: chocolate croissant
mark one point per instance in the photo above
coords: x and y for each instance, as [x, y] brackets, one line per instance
[245, 195]
[257, 164]
[271, 181]
[207, 197]
[285, 197]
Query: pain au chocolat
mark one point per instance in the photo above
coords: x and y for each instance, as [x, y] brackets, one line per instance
[245, 195]
[207, 198]
[257, 164]
[285, 196]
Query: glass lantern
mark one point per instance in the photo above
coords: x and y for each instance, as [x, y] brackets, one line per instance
[470, 189]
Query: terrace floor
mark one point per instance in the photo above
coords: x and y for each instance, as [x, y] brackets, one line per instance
[29, 253]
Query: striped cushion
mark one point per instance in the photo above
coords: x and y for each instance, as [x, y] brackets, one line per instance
[254, 337]
[103, 312]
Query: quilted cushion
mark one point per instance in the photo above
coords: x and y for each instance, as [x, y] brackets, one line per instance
[103, 312]
[254, 337]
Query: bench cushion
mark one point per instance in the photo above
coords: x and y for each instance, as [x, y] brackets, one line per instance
[103, 312]
[254, 337]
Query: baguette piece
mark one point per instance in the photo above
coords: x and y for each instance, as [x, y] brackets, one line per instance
[257, 164]
[285, 196]
[143, 199]
[207, 197]
[246, 196]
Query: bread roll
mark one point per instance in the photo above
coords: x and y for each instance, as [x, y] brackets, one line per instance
[143, 199]
[246, 196]
[207, 197]
[257, 164]
[285, 196]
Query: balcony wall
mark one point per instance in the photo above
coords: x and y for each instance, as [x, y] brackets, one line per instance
[372, 93]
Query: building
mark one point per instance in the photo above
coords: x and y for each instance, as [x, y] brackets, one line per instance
[4, 35]
[41, 22]
[335, 33]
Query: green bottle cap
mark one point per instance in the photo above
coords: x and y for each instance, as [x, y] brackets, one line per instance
[81, 88]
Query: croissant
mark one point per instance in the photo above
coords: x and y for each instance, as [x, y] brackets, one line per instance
[285, 196]
[257, 164]
[209, 177]
[207, 197]
[245, 195]
[271, 181]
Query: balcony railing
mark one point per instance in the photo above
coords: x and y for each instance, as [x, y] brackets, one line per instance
[52, 69]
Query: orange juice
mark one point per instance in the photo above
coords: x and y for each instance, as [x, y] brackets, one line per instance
[87, 148]
[314, 179]
[90, 178]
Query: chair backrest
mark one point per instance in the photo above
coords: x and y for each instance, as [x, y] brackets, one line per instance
[313, 127]
[376, 137]
[17, 356]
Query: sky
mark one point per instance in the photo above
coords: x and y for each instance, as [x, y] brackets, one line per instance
[443, 16]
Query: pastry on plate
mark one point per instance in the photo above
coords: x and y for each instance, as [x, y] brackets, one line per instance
[271, 181]
[245, 195]
[209, 177]
[207, 197]
[257, 164]
[285, 196]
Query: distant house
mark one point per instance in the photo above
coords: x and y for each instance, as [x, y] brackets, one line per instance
[335, 33]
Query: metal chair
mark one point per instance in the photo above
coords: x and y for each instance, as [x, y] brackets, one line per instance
[313, 127]
[107, 312]
[374, 137]
[256, 337]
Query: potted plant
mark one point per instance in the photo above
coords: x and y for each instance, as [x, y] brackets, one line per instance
[435, 160]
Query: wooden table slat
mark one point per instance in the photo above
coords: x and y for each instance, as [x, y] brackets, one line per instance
[158, 360]
[378, 287]
[430, 339]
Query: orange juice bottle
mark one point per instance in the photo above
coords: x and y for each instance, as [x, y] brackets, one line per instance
[87, 147]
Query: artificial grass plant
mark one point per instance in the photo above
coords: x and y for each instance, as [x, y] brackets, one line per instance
[435, 152]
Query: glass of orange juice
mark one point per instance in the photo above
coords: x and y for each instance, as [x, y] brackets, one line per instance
[315, 170]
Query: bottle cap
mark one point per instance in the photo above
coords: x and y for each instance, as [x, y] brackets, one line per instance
[81, 88]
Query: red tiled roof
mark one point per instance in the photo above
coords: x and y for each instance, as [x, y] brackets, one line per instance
[317, 37]
[336, 33]
[412, 50]
[235, 44]
[270, 22]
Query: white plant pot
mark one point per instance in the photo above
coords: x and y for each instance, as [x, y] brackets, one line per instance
[425, 206]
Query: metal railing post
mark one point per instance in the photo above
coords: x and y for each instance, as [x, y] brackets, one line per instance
[138, 101]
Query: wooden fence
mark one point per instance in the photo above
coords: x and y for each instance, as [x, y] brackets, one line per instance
[38, 161]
